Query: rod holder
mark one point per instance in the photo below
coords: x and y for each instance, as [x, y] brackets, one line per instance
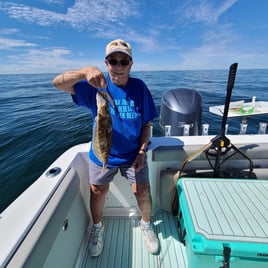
[186, 129]
[243, 128]
[205, 128]
[262, 128]
[167, 130]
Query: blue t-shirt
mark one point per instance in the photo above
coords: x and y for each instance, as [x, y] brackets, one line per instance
[133, 108]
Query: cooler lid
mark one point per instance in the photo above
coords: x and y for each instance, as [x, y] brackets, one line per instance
[228, 209]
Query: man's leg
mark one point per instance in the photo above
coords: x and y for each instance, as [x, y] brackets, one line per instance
[144, 201]
[99, 185]
[97, 201]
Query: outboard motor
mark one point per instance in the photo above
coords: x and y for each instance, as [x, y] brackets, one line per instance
[180, 112]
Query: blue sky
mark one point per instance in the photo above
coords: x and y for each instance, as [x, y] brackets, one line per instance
[55, 35]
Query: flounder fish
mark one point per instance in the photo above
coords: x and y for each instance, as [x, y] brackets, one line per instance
[102, 132]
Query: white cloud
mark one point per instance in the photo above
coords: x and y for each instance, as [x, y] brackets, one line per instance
[217, 39]
[30, 14]
[198, 36]
[57, 2]
[224, 7]
[8, 31]
[60, 52]
[203, 10]
[106, 18]
[84, 14]
[218, 48]
[45, 60]
[8, 43]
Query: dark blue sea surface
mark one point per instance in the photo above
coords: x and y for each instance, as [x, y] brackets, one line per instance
[38, 122]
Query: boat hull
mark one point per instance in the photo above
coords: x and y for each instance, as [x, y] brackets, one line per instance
[54, 231]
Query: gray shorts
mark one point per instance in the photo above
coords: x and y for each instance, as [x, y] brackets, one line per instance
[97, 177]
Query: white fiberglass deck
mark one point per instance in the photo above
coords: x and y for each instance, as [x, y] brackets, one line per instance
[124, 245]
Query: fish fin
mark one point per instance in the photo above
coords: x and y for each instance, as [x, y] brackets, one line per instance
[106, 95]
[103, 167]
[110, 99]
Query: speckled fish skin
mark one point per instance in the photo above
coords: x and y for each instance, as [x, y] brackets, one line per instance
[102, 132]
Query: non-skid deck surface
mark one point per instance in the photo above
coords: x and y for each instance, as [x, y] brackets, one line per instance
[124, 246]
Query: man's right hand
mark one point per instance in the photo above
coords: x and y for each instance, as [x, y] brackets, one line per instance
[95, 77]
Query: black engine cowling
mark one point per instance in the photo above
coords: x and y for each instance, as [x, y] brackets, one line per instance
[180, 107]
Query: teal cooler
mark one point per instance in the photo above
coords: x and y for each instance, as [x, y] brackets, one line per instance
[224, 222]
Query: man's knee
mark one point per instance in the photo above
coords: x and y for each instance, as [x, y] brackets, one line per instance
[99, 189]
[141, 190]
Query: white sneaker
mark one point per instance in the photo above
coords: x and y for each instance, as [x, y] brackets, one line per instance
[96, 240]
[150, 239]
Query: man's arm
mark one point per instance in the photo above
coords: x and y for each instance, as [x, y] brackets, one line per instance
[68, 79]
[138, 163]
[145, 137]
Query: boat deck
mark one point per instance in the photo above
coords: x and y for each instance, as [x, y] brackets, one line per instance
[124, 245]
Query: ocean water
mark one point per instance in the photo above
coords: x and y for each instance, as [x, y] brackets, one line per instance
[38, 122]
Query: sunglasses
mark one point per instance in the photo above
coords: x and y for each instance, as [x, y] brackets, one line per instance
[122, 62]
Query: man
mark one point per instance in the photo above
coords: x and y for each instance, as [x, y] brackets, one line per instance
[132, 111]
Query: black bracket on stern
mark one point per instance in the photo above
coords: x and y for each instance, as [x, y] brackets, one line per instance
[220, 145]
